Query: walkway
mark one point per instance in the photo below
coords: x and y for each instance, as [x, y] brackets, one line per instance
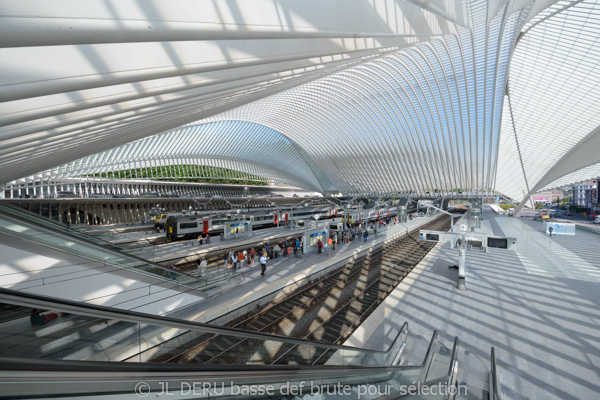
[538, 306]
[282, 273]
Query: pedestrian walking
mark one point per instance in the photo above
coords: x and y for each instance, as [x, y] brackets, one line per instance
[263, 264]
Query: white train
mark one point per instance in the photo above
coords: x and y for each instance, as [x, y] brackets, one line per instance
[359, 216]
[178, 226]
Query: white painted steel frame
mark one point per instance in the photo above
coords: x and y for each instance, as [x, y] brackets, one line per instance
[375, 96]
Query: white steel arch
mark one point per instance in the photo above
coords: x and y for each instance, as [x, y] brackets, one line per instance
[355, 96]
[550, 133]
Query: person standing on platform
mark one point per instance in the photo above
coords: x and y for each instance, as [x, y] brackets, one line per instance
[252, 255]
[207, 238]
[263, 264]
[366, 235]
[234, 260]
[226, 259]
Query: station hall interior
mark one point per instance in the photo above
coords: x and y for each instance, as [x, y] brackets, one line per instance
[300, 200]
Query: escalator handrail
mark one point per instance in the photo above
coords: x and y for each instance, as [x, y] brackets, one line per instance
[53, 365]
[452, 368]
[91, 243]
[429, 355]
[66, 228]
[51, 303]
[80, 379]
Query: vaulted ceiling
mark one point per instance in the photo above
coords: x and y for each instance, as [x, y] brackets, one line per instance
[344, 95]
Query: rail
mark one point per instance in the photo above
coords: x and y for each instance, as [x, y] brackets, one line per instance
[36, 219]
[42, 379]
[446, 382]
[449, 380]
[141, 329]
[36, 378]
[73, 242]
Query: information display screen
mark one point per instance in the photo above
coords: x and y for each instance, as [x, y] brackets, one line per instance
[498, 243]
[432, 236]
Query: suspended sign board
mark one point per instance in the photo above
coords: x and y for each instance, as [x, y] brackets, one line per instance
[471, 239]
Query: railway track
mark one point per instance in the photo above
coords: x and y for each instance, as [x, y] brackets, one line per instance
[327, 310]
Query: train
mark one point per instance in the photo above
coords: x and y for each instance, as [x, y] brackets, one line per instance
[179, 226]
[185, 225]
[360, 216]
[160, 218]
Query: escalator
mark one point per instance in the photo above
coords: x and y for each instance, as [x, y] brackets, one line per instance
[90, 351]
[28, 227]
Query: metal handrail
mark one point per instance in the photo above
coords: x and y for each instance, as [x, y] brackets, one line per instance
[93, 244]
[429, 355]
[85, 378]
[56, 223]
[68, 306]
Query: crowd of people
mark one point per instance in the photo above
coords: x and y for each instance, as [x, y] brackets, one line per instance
[354, 232]
[234, 260]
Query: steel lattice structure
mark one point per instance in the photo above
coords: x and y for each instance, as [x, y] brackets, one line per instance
[374, 96]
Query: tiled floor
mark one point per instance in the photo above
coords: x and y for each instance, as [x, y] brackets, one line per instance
[538, 306]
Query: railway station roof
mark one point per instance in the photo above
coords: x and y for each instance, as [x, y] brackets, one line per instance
[357, 96]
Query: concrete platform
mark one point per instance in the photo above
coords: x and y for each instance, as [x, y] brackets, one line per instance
[289, 271]
[538, 306]
[284, 272]
[191, 248]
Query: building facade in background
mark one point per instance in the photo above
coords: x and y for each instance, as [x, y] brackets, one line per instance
[585, 194]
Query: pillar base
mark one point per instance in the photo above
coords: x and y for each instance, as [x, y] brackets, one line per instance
[461, 283]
